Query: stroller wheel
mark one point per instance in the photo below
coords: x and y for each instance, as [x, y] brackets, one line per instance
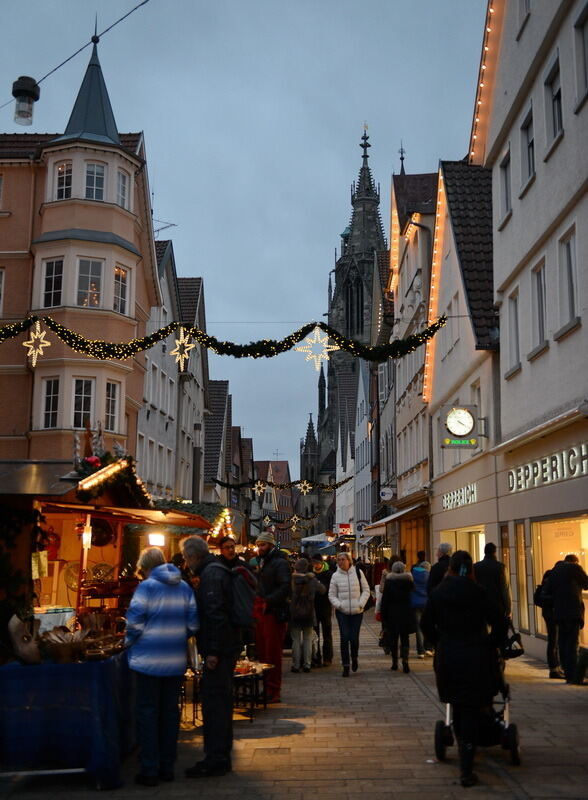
[512, 734]
[443, 739]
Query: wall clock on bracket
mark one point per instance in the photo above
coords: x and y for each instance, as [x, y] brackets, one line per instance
[460, 421]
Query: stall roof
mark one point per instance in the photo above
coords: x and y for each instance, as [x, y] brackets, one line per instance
[36, 477]
[149, 516]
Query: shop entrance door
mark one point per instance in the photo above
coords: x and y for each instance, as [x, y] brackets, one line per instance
[470, 539]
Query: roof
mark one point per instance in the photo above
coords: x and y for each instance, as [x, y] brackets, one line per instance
[92, 118]
[189, 290]
[365, 231]
[29, 145]
[468, 188]
[261, 470]
[37, 477]
[415, 194]
[383, 262]
[280, 471]
[247, 453]
[214, 426]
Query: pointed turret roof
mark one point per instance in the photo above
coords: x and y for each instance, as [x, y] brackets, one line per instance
[310, 442]
[92, 118]
[366, 232]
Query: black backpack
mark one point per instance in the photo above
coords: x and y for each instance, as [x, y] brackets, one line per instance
[302, 602]
[244, 590]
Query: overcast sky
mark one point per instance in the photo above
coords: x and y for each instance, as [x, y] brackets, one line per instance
[252, 112]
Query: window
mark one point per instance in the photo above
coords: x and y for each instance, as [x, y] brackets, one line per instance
[50, 402]
[89, 283]
[94, 182]
[1, 188]
[539, 304]
[120, 290]
[513, 330]
[122, 188]
[1, 290]
[581, 34]
[83, 398]
[505, 192]
[567, 279]
[111, 412]
[52, 283]
[522, 576]
[527, 148]
[63, 181]
[553, 102]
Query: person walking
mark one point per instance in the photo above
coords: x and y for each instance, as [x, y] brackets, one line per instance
[457, 619]
[545, 603]
[418, 600]
[491, 574]
[397, 613]
[439, 569]
[324, 614]
[564, 587]
[219, 644]
[161, 617]
[305, 587]
[273, 586]
[348, 593]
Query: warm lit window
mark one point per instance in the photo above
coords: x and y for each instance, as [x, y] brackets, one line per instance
[120, 290]
[111, 412]
[505, 190]
[540, 307]
[83, 399]
[568, 292]
[89, 283]
[50, 402]
[553, 102]
[513, 330]
[122, 189]
[52, 283]
[63, 181]
[95, 181]
[527, 148]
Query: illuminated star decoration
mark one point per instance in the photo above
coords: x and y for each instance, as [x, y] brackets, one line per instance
[36, 343]
[320, 339]
[305, 487]
[182, 349]
[266, 520]
[259, 487]
[294, 519]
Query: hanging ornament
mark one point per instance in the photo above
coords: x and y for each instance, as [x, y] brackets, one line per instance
[305, 486]
[182, 349]
[266, 520]
[294, 528]
[259, 488]
[322, 340]
[36, 343]
[294, 519]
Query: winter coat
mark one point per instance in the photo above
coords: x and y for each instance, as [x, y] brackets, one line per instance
[437, 573]
[161, 617]
[395, 608]
[217, 635]
[322, 605]
[346, 593]
[564, 586]
[273, 583]
[305, 588]
[456, 620]
[420, 576]
[491, 574]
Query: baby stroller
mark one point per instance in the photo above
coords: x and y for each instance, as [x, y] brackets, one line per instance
[494, 725]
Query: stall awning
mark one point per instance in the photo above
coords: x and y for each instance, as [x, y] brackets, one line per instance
[318, 537]
[379, 528]
[149, 516]
[365, 539]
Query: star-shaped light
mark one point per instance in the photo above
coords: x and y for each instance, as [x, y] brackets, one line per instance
[305, 486]
[322, 340]
[266, 520]
[36, 343]
[182, 349]
[294, 519]
[259, 487]
[294, 528]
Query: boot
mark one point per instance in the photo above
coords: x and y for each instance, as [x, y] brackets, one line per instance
[394, 666]
[345, 671]
[404, 654]
[354, 664]
[467, 752]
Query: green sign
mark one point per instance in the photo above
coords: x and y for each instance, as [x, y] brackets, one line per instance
[451, 441]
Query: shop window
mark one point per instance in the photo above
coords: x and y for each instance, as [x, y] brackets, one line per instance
[505, 549]
[522, 594]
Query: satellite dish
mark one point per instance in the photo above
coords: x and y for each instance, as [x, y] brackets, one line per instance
[386, 493]
[71, 575]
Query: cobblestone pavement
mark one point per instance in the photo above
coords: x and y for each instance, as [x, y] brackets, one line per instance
[371, 736]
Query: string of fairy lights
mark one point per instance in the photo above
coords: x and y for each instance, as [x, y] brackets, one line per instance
[304, 486]
[316, 346]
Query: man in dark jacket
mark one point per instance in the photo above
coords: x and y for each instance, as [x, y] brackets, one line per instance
[273, 587]
[439, 569]
[491, 574]
[324, 613]
[228, 553]
[564, 587]
[219, 643]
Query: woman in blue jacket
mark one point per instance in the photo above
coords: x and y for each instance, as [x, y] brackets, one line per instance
[161, 617]
[418, 600]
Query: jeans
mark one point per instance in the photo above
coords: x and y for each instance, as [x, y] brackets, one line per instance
[552, 654]
[325, 626]
[269, 640]
[158, 721]
[349, 625]
[301, 644]
[404, 646]
[421, 642]
[216, 692]
[569, 633]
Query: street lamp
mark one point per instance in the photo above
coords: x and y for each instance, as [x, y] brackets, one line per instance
[26, 92]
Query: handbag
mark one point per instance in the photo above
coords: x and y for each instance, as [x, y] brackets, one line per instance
[370, 602]
[513, 646]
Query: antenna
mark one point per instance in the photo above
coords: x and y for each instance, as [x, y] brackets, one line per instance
[164, 225]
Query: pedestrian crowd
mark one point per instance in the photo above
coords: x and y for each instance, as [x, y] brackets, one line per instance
[459, 612]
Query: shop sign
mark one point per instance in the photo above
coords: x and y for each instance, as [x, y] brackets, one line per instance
[463, 496]
[554, 468]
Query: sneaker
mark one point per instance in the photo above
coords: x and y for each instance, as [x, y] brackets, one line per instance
[556, 673]
[429, 653]
[421, 655]
[146, 780]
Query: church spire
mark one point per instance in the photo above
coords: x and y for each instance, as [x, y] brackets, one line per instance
[92, 118]
[366, 232]
[310, 443]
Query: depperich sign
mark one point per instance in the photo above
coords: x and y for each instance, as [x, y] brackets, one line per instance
[554, 468]
[460, 497]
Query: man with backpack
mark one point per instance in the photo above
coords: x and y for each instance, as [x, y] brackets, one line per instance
[324, 613]
[305, 587]
[219, 643]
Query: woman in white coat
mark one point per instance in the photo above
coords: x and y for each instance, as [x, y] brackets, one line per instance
[348, 592]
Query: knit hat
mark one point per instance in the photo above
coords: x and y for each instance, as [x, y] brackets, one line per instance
[318, 558]
[301, 565]
[266, 536]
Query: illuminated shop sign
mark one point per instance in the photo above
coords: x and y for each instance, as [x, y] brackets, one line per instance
[554, 468]
[460, 497]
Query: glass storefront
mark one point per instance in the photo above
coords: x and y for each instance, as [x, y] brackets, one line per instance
[552, 540]
[521, 560]
[471, 539]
